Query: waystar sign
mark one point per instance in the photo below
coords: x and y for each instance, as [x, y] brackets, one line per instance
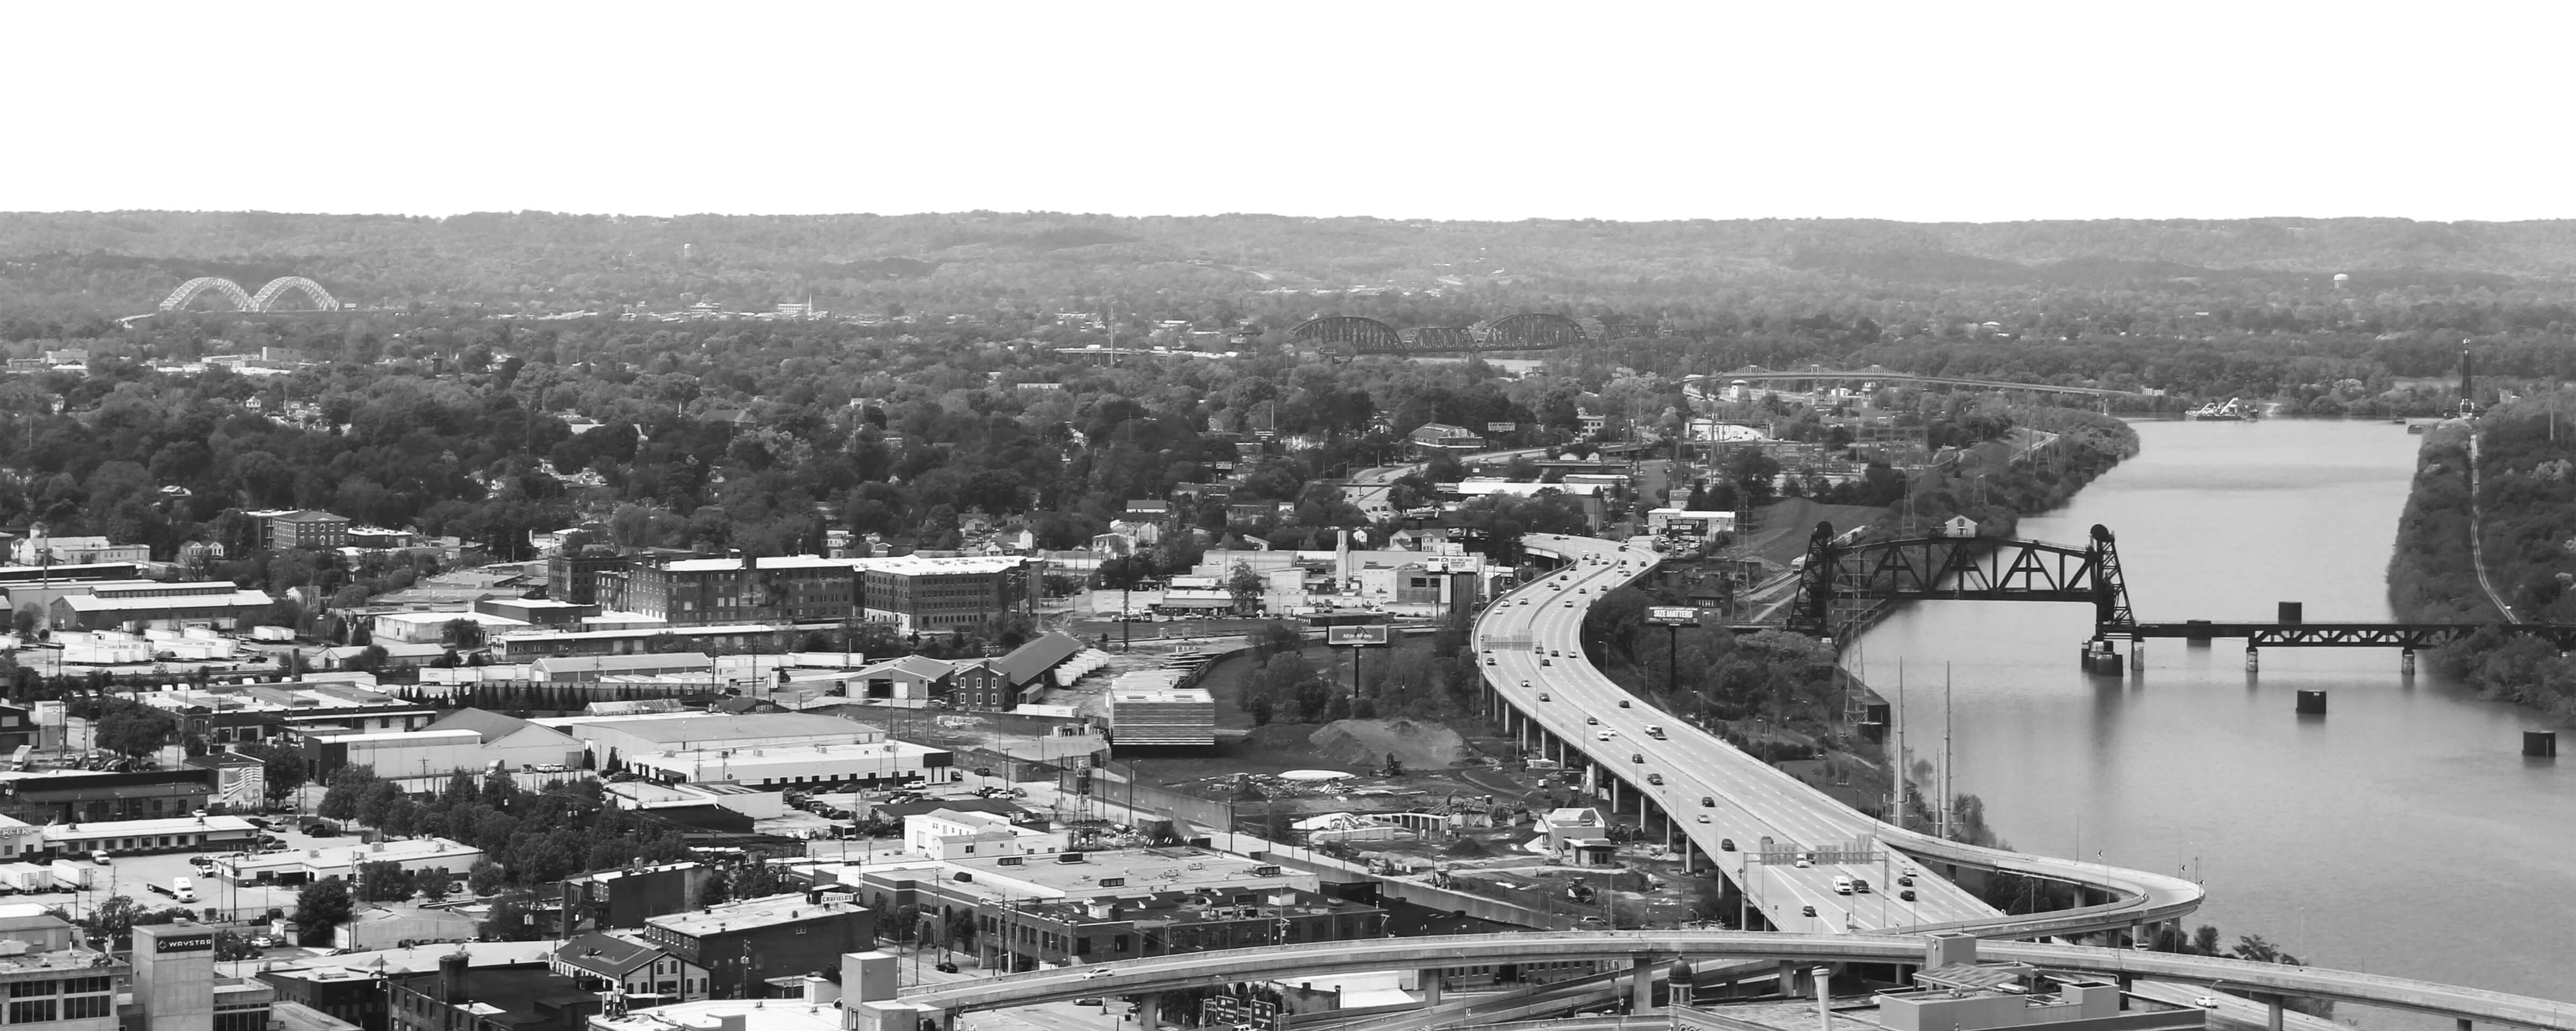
[170, 943]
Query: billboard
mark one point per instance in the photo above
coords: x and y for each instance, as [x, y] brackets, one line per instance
[1501, 427]
[1672, 615]
[1367, 636]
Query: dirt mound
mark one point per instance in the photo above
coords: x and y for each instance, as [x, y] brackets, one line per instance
[1365, 743]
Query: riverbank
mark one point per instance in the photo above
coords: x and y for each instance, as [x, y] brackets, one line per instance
[1996, 486]
[2521, 515]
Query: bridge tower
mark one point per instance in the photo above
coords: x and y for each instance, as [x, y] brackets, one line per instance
[2112, 616]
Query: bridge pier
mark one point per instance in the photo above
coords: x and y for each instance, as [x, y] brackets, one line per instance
[2253, 659]
[2138, 655]
[1641, 983]
[2406, 662]
[1149, 1011]
[1431, 982]
[2272, 1016]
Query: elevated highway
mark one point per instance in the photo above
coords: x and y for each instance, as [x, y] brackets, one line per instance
[1714, 794]
[1644, 949]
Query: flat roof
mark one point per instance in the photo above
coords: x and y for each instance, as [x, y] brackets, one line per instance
[714, 565]
[346, 855]
[762, 756]
[661, 728]
[1169, 696]
[614, 635]
[354, 965]
[767, 911]
[756, 1014]
[915, 565]
[664, 660]
[234, 599]
[173, 825]
[1172, 869]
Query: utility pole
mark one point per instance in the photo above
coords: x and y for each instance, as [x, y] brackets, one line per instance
[1946, 805]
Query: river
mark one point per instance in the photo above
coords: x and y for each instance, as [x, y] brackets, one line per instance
[2402, 833]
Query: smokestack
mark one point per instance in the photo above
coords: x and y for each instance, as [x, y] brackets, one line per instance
[2468, 381]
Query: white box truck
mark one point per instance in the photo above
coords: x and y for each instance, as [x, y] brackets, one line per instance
[183, 889]
[74, 876]
[26, 877]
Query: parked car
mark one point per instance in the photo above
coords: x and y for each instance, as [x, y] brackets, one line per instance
[945, 967]
[99, 857]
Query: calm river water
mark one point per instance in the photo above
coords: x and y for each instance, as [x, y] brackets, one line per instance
[2403, 833]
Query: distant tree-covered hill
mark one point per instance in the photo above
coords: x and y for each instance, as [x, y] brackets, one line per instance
[1696, 274]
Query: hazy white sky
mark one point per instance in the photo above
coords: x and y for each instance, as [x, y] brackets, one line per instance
[1918, 111]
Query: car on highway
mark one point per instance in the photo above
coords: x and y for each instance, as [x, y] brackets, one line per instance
[1569, 603]
[1806, 911]
[1087, 1002]
[1542, 696]
[1906, 895]
[1095, 972]
[1802, 863]
[1726, 844]
[2207, 1002]
[1703, 817]
[1623, 703]
[1592, 721]
[1637, 757]
[1860, 885]
[1655, 779]
[1905, 880]
[1542, 660]
[1708, 801]
[1525, 685]
[1605, 735]
[1489, 660]
[1524, 603]
[1553, 653]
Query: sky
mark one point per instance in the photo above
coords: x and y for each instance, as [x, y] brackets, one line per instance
[1910, 111]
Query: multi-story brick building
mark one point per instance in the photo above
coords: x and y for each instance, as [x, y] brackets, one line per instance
[777, 589]
[305, 528]
[937, 595]
[742, 945]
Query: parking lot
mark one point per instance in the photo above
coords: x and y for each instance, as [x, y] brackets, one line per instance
[132, 876]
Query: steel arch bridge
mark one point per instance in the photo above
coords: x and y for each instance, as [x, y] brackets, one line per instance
[1350, 332]
[1840, 568]
[1534, 330]
[242, 300]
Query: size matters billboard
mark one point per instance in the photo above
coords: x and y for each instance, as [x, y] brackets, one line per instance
[1672, 615]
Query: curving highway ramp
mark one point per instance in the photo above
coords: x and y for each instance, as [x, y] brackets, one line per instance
[1716, 794]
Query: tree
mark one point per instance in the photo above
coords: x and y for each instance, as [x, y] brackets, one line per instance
[320, 907]
[513, 919]
[464, 634]
[1247, 587]
[128, 728]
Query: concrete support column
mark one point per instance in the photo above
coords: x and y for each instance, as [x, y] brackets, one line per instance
[1432, 982]
[947, 1020]
[2138, 654]
[1788, 979]
[2253, 659]
[2406, 661]
[2272, 1019]
[2464, 1024]
[1641, 984]
[1149, 1011]
[2128, 983]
